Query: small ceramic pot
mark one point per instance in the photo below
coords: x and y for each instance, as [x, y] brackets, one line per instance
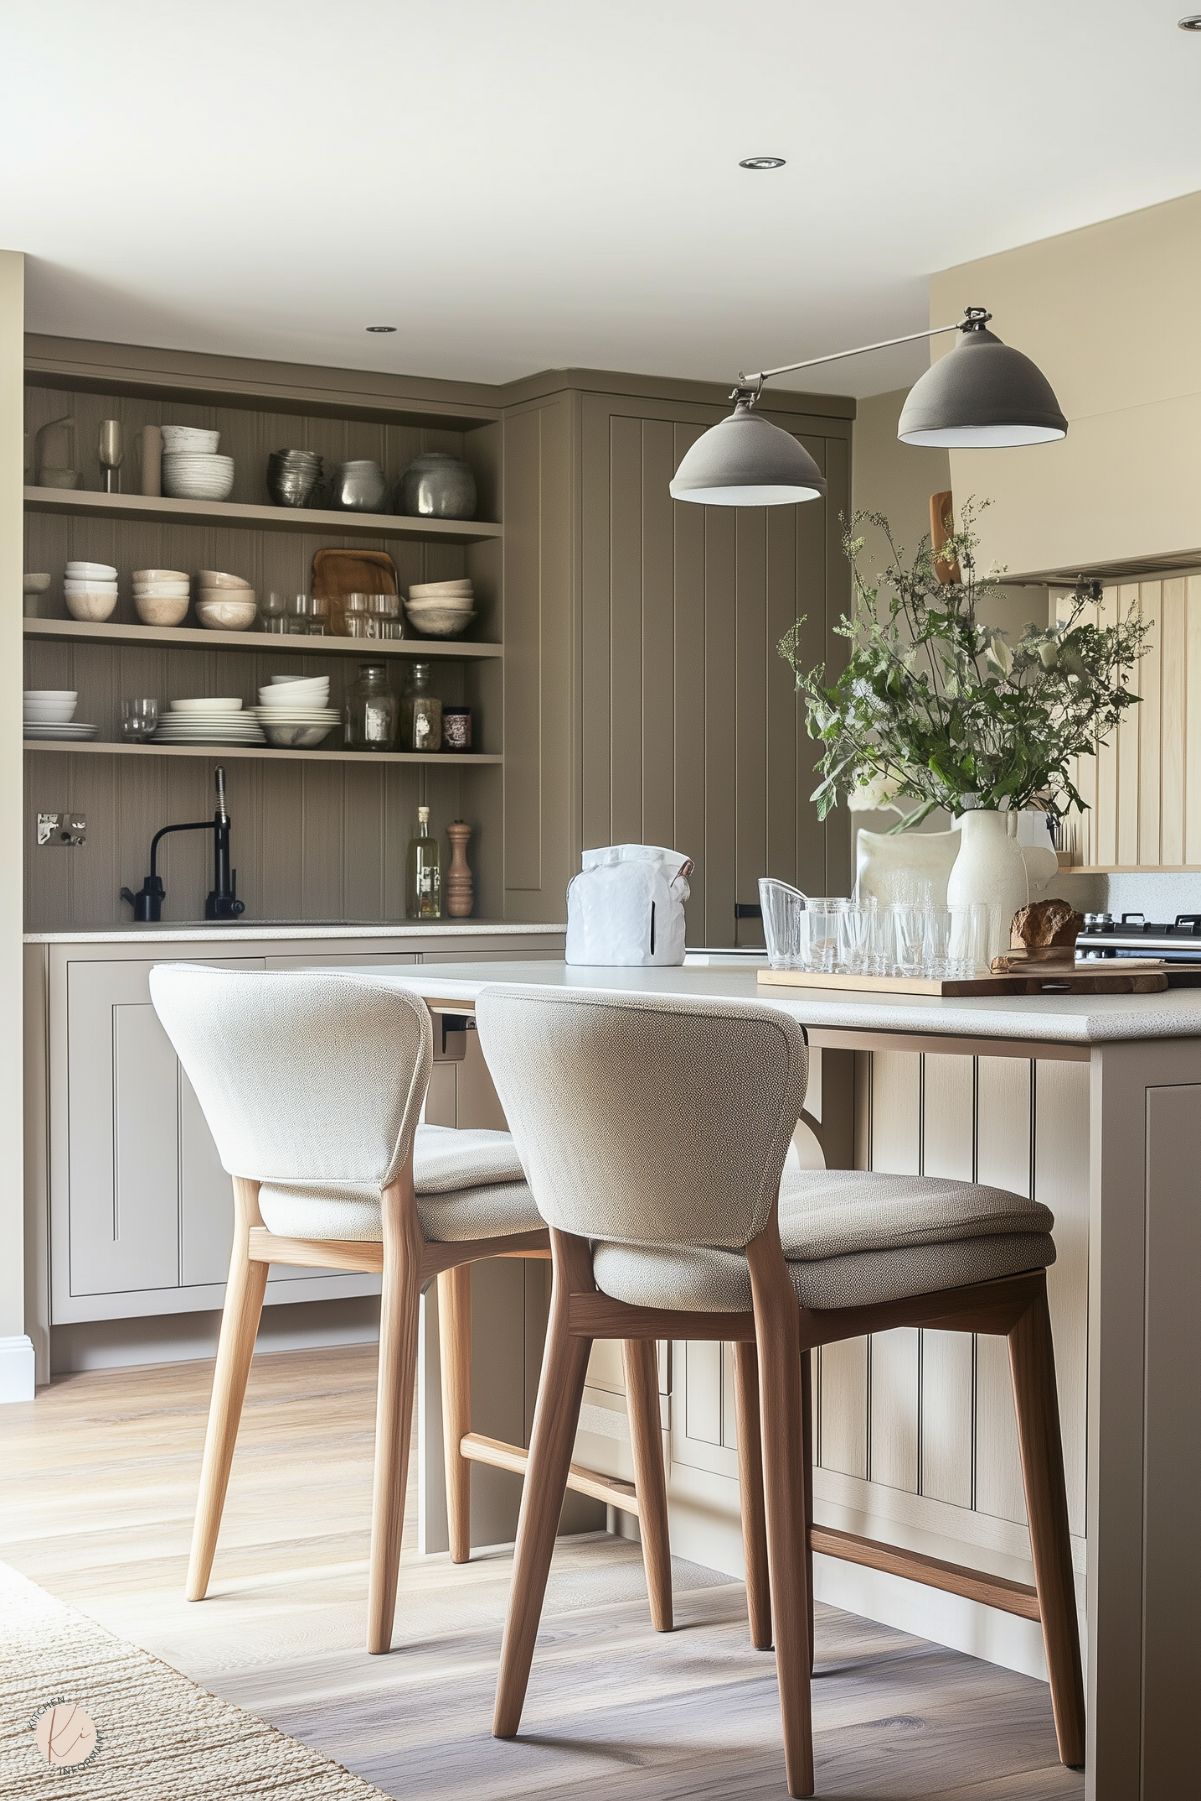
[359, 487]
[437, 486]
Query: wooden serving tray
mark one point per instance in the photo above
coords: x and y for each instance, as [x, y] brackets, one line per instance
[1133, 975]
[337, 573]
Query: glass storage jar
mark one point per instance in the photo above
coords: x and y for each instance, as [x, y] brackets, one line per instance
[371, 710]
[422, 711]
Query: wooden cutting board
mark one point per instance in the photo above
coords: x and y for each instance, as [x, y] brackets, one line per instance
[337, 573]
[1134, 975]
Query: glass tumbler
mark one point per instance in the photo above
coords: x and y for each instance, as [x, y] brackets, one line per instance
[853, 922]
[819, 934]
[782, 907]
[139, 719]
[273, 612]
[967, 946]
[908, 925]
[936, 943]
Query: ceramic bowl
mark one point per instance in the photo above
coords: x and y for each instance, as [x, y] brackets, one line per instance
[162, 591]
[159, 575]
[92, 587]
[178, 438]
[297, 736]
[227, 615]
[198, 477]
[102, 571]
[217, 578]
[50, 706]
[161, 609]
[439, 622]
[94, 606]
[34, 584]
[426, 590]
[207, 704]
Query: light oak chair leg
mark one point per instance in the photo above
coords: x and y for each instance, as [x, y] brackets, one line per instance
[239, 1328]
[454, 1351]
[785, 1485]
[560, 1392]
[1032, 1364]
[750, 1485]
[393, 1411]
[646, 1440]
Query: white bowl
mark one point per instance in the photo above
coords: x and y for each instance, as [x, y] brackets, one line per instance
[160, 575]
[427, 590]
[103, 571]
[50, 712]
[440, 622]
[222, 704]
[161, 609]
[96, 607]
[229, 614]
[197, 477]
[286, 698]
[34, 584]
[90, 587]
[217, 578]
[50, 694]
[178, 438]
[296, 736]
[162, 591]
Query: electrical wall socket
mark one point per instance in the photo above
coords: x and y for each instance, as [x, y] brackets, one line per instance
[62, 828]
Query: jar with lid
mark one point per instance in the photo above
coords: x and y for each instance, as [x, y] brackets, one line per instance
[371, 710]
[422, 711]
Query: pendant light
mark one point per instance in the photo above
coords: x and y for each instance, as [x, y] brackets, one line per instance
[983, 395]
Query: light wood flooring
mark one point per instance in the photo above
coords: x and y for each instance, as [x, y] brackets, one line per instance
[97, 1482]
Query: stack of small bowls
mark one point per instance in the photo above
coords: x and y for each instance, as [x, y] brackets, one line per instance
[295, 713]
[291, 476]
[441, 609]
[160, 596]
[50, 713]
[191, 468]
[225, 603]
[90, 590]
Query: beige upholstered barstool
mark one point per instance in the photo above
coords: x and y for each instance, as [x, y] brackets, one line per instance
[654, 1135]
[312, 1086]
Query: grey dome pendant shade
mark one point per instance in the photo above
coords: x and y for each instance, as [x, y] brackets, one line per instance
[982, 394]
[745, 461]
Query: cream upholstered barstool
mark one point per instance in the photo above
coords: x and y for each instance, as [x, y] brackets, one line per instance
[312, 1085]
[654, 1134]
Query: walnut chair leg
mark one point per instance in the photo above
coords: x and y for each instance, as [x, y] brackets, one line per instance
[807, 1455]
[750, 1485]
[393, 1426]
[785, 1482]
[239, 1327]
[560, 1392]
[454, 1350]
[642, 1395]
[1032, 1364]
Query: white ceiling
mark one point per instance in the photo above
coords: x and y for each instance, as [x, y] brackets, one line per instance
[523, 184]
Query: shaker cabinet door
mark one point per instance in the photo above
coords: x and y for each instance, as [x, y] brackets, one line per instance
[148, 1206]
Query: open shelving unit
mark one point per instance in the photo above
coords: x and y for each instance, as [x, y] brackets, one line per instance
[218, 752]
[156, 510]
[186, 637]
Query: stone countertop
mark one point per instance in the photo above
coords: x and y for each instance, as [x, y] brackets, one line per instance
[179, 931]
[1059, 1018]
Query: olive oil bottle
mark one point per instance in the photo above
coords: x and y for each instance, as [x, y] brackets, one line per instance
[423, 874]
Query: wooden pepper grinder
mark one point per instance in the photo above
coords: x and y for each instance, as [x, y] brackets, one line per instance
[460, 889]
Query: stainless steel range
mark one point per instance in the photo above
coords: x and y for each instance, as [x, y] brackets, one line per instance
[1133, 935]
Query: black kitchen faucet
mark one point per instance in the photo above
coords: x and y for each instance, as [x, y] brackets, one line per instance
[223, 902]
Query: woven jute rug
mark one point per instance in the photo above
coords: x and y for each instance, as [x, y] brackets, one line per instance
[85, 1715]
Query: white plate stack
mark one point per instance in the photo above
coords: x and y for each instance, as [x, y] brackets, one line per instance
[220, 721]
[441, 609]
[90, 590]
[50, 713]
[295, 713]
[191, 468]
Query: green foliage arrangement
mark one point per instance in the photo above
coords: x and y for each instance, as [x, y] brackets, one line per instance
[933, 706]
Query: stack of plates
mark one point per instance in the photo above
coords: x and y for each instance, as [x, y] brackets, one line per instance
[441, 609]
[208, 722]
[295, 713]
[50, 713]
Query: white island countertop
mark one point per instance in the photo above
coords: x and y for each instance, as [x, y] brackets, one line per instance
[203, 931]
[1058, 1018]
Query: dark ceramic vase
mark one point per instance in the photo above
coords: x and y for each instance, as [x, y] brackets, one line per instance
[437, 485]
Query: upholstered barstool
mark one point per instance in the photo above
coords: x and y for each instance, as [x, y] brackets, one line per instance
[312, 1085]
[654, 1134]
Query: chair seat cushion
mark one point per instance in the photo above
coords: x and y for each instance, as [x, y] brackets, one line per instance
[852, 1238]
[468, 1189]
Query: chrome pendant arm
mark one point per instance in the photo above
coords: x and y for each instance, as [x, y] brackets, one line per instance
[751, 386]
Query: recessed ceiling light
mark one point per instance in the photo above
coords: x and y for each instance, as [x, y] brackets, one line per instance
[381, 328]
[762, 162]
[1190, 22]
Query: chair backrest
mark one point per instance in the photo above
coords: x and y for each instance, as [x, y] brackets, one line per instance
[302, 1076]
[646, 1120]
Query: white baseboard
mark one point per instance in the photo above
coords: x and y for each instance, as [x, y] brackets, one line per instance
[16, 1368]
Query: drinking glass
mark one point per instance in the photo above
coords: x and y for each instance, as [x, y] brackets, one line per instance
[273, 612]
[297, 615]
[139, 719]
[854, 923]
[936, 942]
[967, 947]
[908, 926]
[356, 610]
[783, 907]
[819, 934]
[879, 949]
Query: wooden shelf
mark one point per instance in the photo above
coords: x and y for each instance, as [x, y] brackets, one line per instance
[83, 503]
[219, 752]
[283, 644]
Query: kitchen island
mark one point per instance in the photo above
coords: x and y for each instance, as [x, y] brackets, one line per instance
[1119, 1162]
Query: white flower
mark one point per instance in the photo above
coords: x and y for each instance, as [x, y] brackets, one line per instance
[874, 793]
